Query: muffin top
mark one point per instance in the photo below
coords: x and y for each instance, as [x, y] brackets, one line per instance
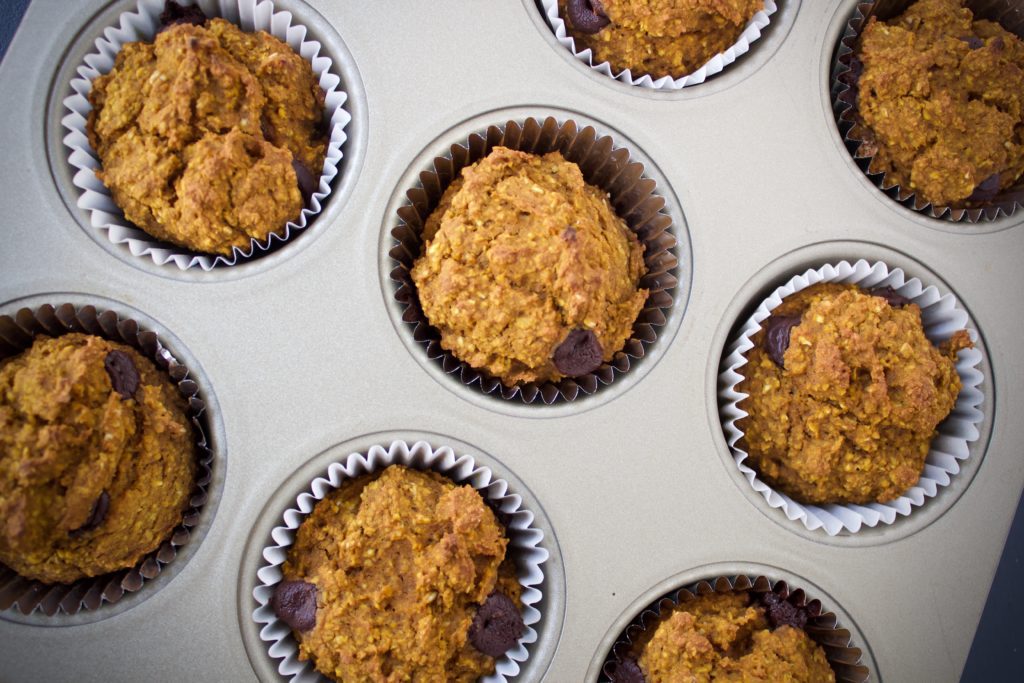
[844, 394]
[726, 637]
[401, 576]
[209, 137]
[942, 100]
[97, 458]
[656, 37]
[526, 270]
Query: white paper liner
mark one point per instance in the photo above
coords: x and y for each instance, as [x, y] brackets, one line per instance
[941, 317]
[715, 65]
[142, 24]
[524, 544]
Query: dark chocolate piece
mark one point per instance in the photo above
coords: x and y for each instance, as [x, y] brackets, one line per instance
[96, 515]
[628, 671]
[781, 612]
[569, 234]
[973, 42]
[587, 16]
[124, 376]
[294, 603]
[986, 190]
[776, 336]
[307, 183]
[497, 625]
[579, 354]
[175, 14]
[889, 294]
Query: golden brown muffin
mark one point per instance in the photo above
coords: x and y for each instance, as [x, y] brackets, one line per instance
[723, 637]
[942, 100]
[393, 569]
[208, 136]
[97, 458]
[849, 415]
[526, 270]
[661, 37]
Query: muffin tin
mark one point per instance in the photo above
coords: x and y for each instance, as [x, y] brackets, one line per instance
[302, 354]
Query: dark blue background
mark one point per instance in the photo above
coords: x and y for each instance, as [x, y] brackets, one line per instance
[996, 652]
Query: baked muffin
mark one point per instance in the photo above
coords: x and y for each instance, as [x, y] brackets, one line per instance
[727, 637]
[97, 458]
[656, 37]
[844, 394]
[527, 272]
[209, 137]
[941, 103]
[401, 575]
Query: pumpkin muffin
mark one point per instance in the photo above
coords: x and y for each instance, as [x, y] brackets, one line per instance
[209, 137]
[527, 272]
[97, 458]
[941, 103]
[656, 37]
[844, 394]
[400, 576]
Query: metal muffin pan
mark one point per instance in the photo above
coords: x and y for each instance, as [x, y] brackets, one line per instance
[303, 353]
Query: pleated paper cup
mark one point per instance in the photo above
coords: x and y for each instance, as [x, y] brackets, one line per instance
[941, 316]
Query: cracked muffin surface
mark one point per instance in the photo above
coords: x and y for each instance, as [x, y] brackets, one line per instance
[522, 259]
[96, 470]
[204, 133]
[850, 414]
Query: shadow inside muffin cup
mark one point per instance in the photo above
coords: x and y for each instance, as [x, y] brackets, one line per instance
[603, 165]
[16, 336]
[823, 627]
[142, 24]
[859, 140]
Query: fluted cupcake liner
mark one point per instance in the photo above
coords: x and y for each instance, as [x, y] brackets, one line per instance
[715, 65]
[16, 336]
[941, 316]
[604, 166]
[142, 24]
[524, 545]
[823, 627]
[861, 142]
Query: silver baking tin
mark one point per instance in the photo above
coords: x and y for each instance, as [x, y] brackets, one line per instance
[302, 352]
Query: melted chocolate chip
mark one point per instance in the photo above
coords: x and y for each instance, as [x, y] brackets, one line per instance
[628, 671]
[307, 183]
[175, 14]
[587, 16]
[987, 189]
[294, 603]
[776, 336]
[96, 515]
[973, 42]
[889, 294]
[579, 354]
[782, 612]
[124, 376]
[497, 625]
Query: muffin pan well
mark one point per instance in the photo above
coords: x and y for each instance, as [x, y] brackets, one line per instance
[306, 349]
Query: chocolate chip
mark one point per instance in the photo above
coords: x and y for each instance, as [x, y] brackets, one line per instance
[628, 671]
[294, 603]
[124, 376]
[569, 234]
[889, 294]
[175, 14]
[307, 183]
[987, 189]
[973, 42]
[497, 625]
[579, 354]
[96, 515]
[781, 612]
[776, 336]
[587, 16]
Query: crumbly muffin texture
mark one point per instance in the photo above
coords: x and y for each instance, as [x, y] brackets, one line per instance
[520, 254]
[851, 414]
[198, 132]
[942, 100]
[721, 637]
[663, 37]
[94, 473]
[401, 562]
